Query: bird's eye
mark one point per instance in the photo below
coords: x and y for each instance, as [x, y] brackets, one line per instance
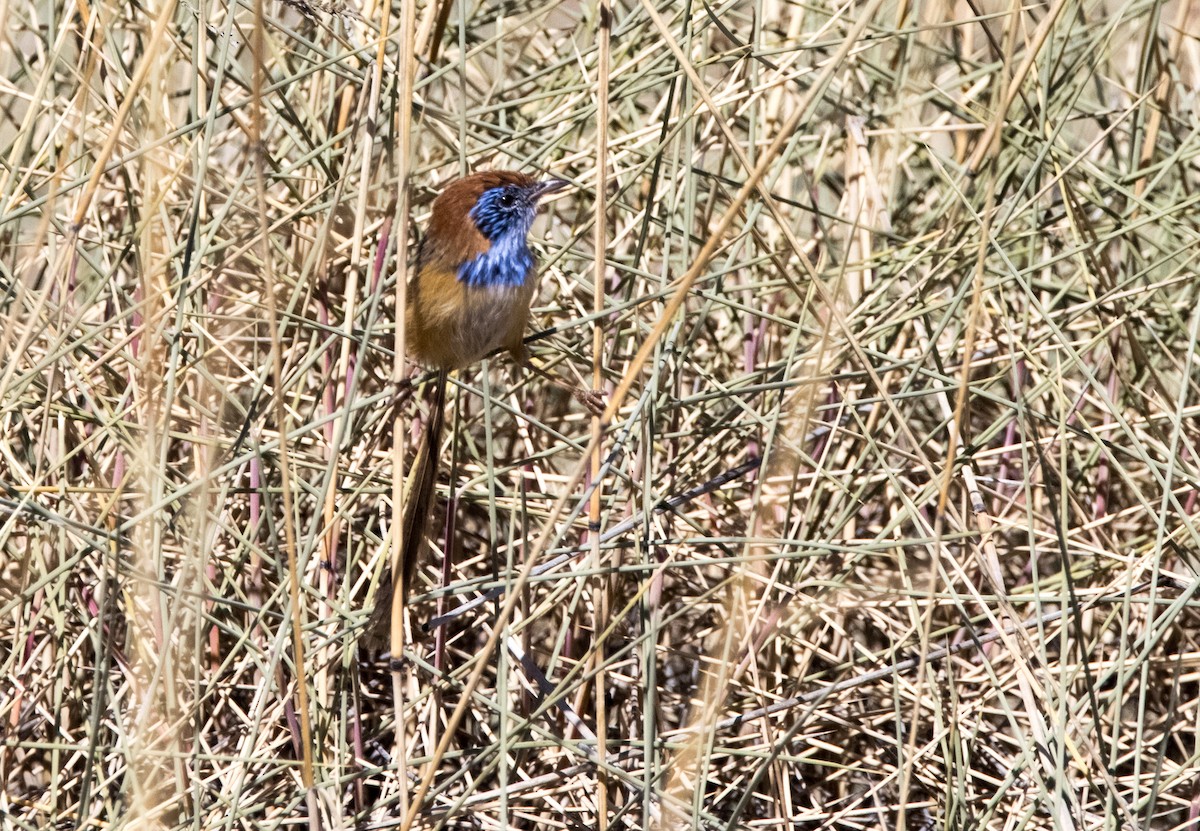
[507, 199]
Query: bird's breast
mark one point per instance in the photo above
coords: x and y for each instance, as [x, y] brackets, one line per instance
[452, 323]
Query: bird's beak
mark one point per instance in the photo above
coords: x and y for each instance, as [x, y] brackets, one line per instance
[549, 186]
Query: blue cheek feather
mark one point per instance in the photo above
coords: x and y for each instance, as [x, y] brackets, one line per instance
[508, 260]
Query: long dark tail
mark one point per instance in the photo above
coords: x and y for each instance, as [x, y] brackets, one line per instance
[419, 492]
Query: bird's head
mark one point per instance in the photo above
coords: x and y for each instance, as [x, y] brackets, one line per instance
[508, 209]
[479, 226]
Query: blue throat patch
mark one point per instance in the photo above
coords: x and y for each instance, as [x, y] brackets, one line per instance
[506, 263]
[508, 260]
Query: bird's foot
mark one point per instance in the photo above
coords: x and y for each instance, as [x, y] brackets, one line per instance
[592, 400]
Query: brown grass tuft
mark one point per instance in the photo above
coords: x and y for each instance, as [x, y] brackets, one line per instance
[892, 521]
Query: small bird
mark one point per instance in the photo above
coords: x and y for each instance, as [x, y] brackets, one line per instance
[468, 296]
[475, 276]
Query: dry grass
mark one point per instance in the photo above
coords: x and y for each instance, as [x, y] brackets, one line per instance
[893, 523]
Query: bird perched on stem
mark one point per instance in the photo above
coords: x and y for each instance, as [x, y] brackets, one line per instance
[468, 296]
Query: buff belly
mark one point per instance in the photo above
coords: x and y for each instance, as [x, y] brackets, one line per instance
[451, 325]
